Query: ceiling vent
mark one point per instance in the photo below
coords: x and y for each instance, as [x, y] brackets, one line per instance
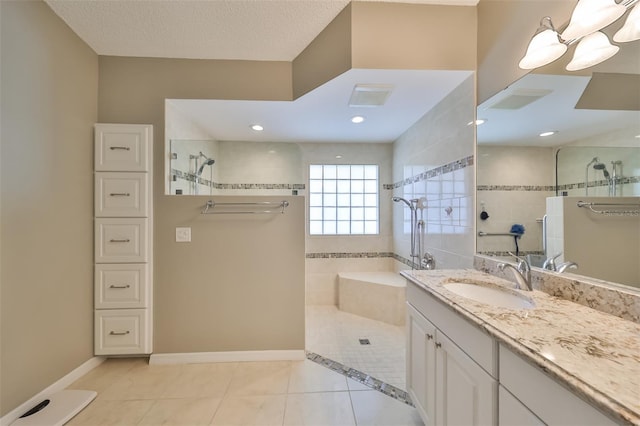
[370, 95]
[520, 98]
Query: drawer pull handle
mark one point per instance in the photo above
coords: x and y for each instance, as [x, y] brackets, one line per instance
[120, 241]
[113, 148]
[119, 286]
[429, 336]
[119, 194]
[438, 345]
[119, 333]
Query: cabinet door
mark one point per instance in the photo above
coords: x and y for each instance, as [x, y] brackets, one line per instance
[466, 394]
[512, 412]
[421, 358]
[122, 147]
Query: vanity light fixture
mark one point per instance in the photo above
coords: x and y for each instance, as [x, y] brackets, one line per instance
[357, 119]
[257, 127]
[546, 134]
[630, 31]
[544, 48]
[587, 19]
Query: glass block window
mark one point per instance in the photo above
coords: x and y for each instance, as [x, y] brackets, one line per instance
[343, 199]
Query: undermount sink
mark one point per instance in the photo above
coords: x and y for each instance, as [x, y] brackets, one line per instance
[490, 295]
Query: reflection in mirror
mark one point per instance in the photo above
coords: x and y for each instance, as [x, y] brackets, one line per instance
[524, 179]
[208, 167]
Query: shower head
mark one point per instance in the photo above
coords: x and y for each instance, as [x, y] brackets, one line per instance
[397, 199]
[600, 166]
[207, 162]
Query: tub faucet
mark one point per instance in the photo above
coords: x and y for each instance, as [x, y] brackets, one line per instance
[566, 265]
[522, 272]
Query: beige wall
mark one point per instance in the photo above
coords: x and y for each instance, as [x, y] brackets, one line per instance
[413, 36]
[49, 104]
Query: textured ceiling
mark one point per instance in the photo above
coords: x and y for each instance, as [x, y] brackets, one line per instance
[266, 30]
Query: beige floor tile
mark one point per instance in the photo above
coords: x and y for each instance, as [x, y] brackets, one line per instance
[307, 376]
[374, 408]
[201, 380]
[321, 409]
[259, 410]
[260, 378]
[116, 413]
[143, 382]
[104, 375]
[182, 412]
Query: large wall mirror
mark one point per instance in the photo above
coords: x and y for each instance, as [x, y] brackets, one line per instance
[591, 154]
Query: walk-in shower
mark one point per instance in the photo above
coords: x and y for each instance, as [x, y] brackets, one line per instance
[197, 169]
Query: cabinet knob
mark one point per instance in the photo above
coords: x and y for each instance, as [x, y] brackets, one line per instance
[438, 345]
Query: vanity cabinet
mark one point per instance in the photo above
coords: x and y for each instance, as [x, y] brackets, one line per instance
[447, 385]
[540, 397]
[123, 284]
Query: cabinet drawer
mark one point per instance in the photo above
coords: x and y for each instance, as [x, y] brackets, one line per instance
[121, 194]
[122, 148]
[121, 240]
[121, 286]
[122, 332]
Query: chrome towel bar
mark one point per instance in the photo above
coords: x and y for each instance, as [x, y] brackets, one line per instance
[246, 208]
[615, 212]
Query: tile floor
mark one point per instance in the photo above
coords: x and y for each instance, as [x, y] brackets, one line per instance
[131, 392]
[335, 334]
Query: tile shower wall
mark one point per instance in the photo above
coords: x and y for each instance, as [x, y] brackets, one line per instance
[329, 255]
[513, 184]
[434, 160]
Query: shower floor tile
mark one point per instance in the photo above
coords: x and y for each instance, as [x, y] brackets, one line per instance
[336, 335]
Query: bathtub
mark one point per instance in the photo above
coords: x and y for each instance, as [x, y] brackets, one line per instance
[376, 295]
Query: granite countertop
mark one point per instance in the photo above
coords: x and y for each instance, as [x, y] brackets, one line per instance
[595, 354]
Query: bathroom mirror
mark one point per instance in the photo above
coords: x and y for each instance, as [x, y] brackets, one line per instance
[594, 125]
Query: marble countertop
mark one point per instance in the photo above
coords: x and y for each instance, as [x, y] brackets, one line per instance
[595, 354]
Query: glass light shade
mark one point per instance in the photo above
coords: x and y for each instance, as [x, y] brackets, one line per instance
[630, 31]
[590, 16]
[544, 48]
[592, 50]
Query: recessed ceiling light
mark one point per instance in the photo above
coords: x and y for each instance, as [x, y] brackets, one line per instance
[338, 156]
[638, 136]
[257, 127]
[545, 134]
[357, 119]
[478, 122]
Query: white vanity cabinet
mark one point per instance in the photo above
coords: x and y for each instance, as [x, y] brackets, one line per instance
[445, 381]
[123, 239]
[541, 397]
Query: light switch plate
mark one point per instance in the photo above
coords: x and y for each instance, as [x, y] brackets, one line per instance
[183, 235]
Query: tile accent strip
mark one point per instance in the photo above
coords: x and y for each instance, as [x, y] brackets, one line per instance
[363, 255]
[361, 377]
[446, 168]
[565, 187]
[190, 177]
[507, 254]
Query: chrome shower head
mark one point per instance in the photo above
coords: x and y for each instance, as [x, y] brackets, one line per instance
[397, 199]
[207, 162]
[601, 166]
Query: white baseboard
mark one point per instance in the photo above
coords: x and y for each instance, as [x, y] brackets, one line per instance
[57, 386]
[238, 356]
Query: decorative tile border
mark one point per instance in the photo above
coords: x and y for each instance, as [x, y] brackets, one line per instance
[552, 188]
[190, 177]
[508, 254]
[360, 255]
[446, 168]
[361, 377]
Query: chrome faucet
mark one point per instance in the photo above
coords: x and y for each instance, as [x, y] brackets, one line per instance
[550, 263]
[566, 265]
[522, 272]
